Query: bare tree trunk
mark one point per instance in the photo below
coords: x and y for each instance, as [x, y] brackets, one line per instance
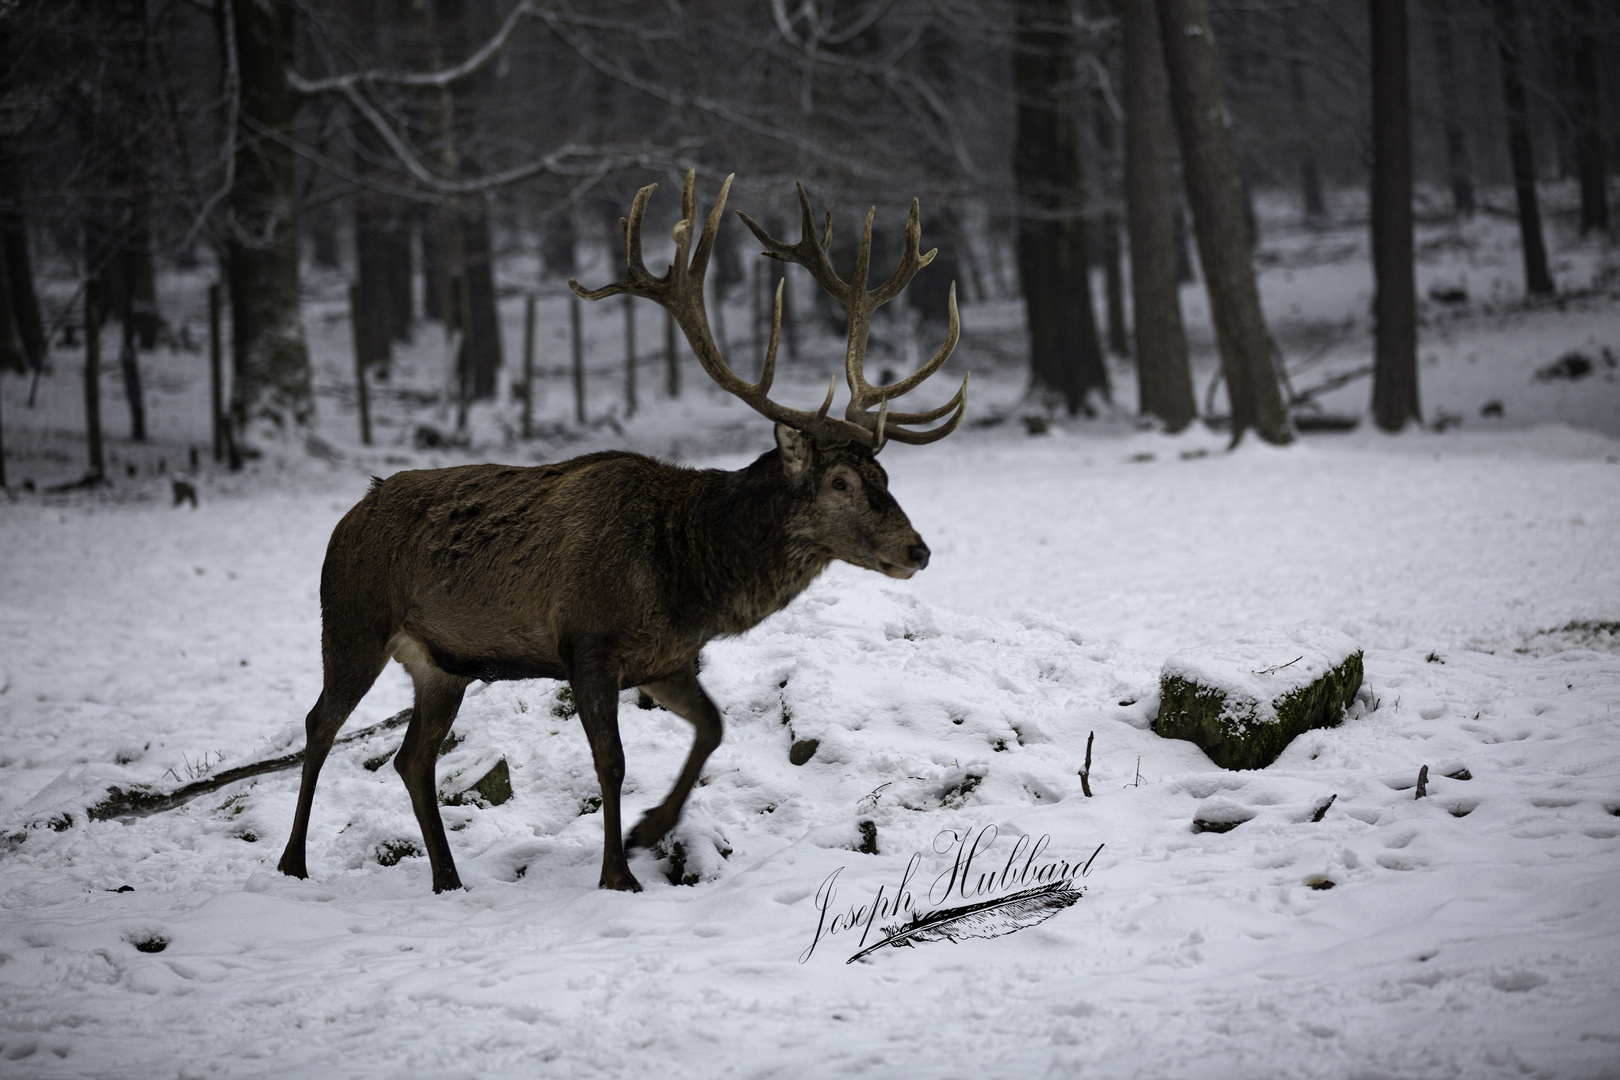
[557, 247]
[483, 321]
[432, 266]
[1114, 286]
[1536, 278]
[398, 270]
[1065, 357]
[1184, 259]
[1583, 108]
[376, 300]
[930, 290]
[129, 362]
[1216, 192]
[24, 301]
[323, 232]
[140, 277]
[1395, 382]
[1310, 177]
[1457, 166]
[92, 375]
[12, 357]
[270, 361]
[1164, 380]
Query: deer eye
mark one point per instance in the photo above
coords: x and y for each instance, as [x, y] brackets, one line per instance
[840, 484]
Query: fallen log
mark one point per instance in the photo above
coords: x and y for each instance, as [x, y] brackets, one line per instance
[141, 800]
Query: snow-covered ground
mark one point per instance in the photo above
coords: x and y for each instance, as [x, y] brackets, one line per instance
[1472, 933]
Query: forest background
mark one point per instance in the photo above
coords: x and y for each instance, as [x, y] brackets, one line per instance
[423, 148]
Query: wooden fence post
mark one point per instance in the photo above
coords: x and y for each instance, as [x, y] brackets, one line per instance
[672, 368]
[579, 358]
[216, 389]
[528, 366]
[464, 353]
[629, 355]
[361, 344]
[92, 375]
[719, 308]
[756, 296]
[129, 364]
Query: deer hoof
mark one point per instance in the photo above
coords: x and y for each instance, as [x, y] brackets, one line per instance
[648, 831]
[293, 868]
[623, 881]
[450, 882]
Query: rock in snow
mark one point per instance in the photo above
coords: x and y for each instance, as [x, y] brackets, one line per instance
[1243, 700]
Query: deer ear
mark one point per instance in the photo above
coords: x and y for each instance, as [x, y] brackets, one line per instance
[797, 450]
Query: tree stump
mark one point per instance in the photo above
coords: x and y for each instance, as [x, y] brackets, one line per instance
[1242, 701]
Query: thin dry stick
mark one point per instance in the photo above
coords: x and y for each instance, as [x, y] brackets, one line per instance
[1085, 773]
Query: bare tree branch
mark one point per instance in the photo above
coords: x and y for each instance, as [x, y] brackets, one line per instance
[440, 79]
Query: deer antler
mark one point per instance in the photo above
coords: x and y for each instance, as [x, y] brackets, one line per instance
[680, 291]
[861, 304]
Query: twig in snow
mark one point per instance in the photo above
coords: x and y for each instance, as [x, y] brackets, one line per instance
[1085, 773]
[1279, 667]
[1321, 811]
[875, 794]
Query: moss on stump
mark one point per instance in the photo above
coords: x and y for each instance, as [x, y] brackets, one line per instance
[1244, 700]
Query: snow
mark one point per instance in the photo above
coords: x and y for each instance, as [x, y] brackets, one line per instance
[1470, 933]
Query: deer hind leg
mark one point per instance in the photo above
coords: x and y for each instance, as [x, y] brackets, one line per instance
[350, 669]
[595, 679]
[438, 697]
[682, 695]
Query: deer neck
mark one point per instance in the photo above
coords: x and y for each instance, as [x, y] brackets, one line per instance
[746, 533]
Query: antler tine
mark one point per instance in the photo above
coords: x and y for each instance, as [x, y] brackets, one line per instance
[912, 261]
[807, 252]
[861, 394]
[638, 280]
[921, 438]
[767, 374]
[711, 225]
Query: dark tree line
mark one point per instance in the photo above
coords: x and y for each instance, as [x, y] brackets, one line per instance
[422, 141]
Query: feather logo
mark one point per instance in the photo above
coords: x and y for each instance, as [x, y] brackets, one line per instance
[989, 919]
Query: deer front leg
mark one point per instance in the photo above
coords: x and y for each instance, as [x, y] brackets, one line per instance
[682, 695]
[595, 678]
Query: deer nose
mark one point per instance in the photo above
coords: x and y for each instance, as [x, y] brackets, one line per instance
[919, 555]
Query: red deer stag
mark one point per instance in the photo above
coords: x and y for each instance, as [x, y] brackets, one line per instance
[613, 570]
